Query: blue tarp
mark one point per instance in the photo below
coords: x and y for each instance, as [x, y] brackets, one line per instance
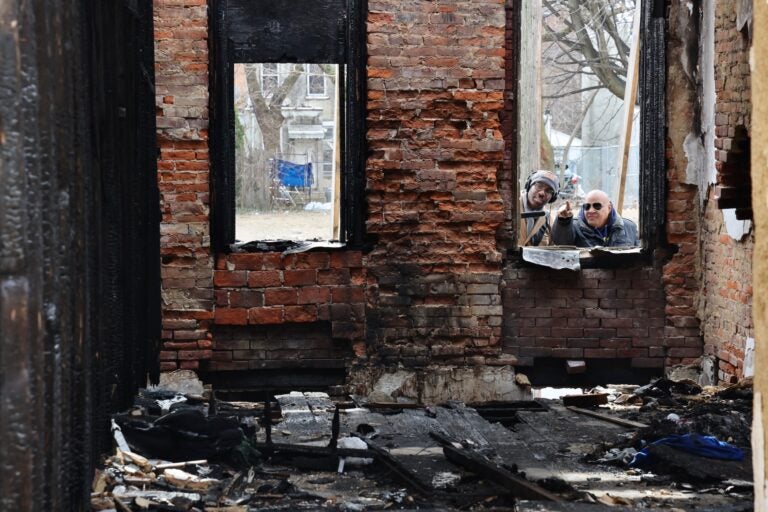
[294, 175]
[703, 446]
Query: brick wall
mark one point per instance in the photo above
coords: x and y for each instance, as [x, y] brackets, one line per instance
[435, 90]
[181, 74]
[591, 314]
[325, 291]
[439, 186]
[725, 305]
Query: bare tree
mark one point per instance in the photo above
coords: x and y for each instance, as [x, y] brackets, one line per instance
[589, 36]
[267, 110]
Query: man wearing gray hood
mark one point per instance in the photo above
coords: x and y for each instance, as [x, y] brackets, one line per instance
[540, 189]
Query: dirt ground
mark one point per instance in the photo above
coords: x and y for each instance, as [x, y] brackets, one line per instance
[286, 225]
[312, 224]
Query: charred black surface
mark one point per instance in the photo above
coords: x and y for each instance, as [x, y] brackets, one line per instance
[79, 305]
[652, 87]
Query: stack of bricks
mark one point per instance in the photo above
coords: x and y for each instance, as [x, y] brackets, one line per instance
[181, 79]
[435, 90]
[261, 289]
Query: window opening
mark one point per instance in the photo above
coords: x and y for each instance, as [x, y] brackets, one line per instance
[576, 69]
[287, 172]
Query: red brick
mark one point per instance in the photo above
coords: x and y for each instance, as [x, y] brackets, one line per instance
[313, 260]
[265, 316]
[683, 352]
[346, 259]
[264, 279]
[347, 295]
[599, 353]
[188, 355]
[280, 296]
[306, 313]
[221, 297]
[334, 276]
[187, 345]
[229, 278]
[314, 295]
[168, 366]
[250, 261]
[231, 316]
[246, 298]
[632, 352]
[168, 355]
[299, 277]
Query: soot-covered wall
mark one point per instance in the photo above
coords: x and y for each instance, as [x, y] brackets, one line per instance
[79, 306]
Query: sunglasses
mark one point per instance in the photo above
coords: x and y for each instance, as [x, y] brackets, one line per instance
[596, 206]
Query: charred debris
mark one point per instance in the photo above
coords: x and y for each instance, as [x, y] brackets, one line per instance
[671, 444]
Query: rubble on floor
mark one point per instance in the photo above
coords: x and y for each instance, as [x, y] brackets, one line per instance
[306, 451]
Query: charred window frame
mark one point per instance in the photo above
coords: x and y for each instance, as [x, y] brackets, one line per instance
[301, 31]
[653, 128]
[652, 133]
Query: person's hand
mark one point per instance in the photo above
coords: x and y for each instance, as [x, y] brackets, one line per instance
[565, 212]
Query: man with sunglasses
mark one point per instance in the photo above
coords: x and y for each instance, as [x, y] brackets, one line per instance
[597, 224]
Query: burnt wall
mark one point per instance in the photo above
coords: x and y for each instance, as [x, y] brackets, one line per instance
[78, 239]
[725, 304]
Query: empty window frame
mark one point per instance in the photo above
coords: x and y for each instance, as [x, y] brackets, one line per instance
[287, 122]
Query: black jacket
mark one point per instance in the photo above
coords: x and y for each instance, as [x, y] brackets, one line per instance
[574, 231]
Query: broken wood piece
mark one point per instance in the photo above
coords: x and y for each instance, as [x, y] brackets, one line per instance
[184, 480]
[154, 494]
[168, 465]
[519, 487]
[120, 506]
[605, 417]
[138, 481]
[139, 460]
[117, 433]
[585, 400]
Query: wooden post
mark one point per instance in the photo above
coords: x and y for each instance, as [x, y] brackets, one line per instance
[529, 110]
[630, 98]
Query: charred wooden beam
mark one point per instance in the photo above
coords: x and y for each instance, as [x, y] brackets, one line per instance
[310, 451]
[406, 476]
[519, 487]
[605, 417]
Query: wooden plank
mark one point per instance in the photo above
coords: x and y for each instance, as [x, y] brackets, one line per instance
[585, 400]
[519, 487]
[630, 98]
[611, 419]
